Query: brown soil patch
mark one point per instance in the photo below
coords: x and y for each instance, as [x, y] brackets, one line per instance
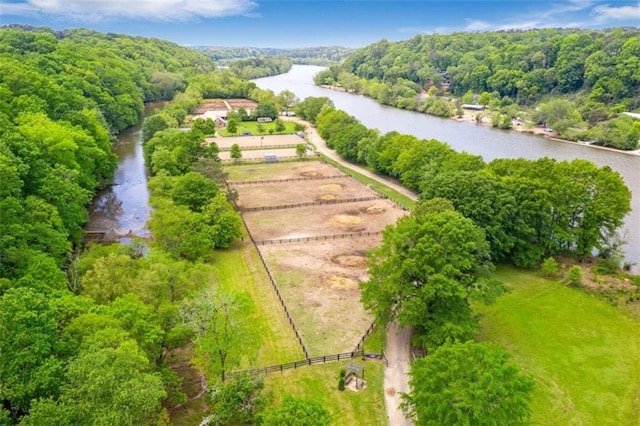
[327, 197]
[375, 210]
[209, 105]
[246, 103]
[390, 391]
[345, 219]
[341, 283]
[311, 174]
[350, 260]
[331, 187]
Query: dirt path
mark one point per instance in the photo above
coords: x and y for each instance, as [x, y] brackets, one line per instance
[396, 372]
[321, 146]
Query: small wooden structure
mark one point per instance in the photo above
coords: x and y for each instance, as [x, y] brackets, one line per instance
[353, 370]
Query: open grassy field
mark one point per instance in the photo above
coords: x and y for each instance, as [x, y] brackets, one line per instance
[253, 142]
[320, 383]
[583, 353]
[260, 128]
[240, 270]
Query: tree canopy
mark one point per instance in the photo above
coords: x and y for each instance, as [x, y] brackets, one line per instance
[468, 383]
[578, 77]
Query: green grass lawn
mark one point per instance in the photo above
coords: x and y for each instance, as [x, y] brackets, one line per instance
[254, 127]
[320, 383]
[583, 353]
[239, 269]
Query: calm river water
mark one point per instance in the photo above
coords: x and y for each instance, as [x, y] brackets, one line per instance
[122, 209]
[482, 140]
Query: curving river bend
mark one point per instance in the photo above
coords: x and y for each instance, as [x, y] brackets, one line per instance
[488, 142]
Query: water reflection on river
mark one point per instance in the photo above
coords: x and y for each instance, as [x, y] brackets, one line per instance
[482, 140]
[122, 209]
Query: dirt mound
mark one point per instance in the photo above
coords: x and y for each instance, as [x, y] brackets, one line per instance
[311, 174]
[350, 260]
[331, 187]
[327, 197]
[375, 210]
[345, 219]
[341, 283]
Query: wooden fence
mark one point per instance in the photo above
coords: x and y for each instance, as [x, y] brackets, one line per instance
[285, 158]
[311, 203]
[259, 147]
[318, 238]
[302, 363]
[259, 182]
[364, 337]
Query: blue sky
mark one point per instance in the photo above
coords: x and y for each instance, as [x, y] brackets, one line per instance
[301, 23]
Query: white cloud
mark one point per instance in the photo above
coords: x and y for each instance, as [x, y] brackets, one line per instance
[163, 10]
[605, 13]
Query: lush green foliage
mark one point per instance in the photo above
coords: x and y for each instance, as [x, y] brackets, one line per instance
[296, 411]
[310, 107]
[323, 56]
[594, 72]
[424, 272]
[528, 209]
[468, 383]
[85, 335]
[238, 401]
[260, 67]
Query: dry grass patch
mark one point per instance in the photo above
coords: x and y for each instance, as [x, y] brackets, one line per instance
[281, 171]
[319, 282]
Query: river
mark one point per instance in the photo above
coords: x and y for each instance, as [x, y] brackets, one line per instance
[121, 210]
[488, 142]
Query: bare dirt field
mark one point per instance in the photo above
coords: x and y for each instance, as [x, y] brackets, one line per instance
[255, 141]
[208, 105]
[317, 279]
[319, 282]
[245, 103]
[313, 221]
[303, 191]
[279, 171]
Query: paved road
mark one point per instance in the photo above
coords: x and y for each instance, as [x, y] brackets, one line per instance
[397, 351]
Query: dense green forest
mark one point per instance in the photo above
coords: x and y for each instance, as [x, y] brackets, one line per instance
[251, 68]
[322, 56]
[85, 333]
[577, 82]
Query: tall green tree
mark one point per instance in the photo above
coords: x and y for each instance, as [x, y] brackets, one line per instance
[111, 385]
[224, 334]
[29, 365]
[424, 271]
[467, 383]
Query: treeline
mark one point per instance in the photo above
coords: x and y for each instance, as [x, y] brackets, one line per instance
[321, 56]
[251, 68]
[529, 210]
[594, 72]
[86, 334]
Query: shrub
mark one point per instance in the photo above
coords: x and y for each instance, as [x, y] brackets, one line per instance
[549, 267]
[574, 276]
[341, 380]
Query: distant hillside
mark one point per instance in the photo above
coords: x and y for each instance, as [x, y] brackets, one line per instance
[323, 56]
[576, 81]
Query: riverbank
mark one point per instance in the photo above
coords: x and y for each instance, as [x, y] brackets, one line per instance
[518, 126]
